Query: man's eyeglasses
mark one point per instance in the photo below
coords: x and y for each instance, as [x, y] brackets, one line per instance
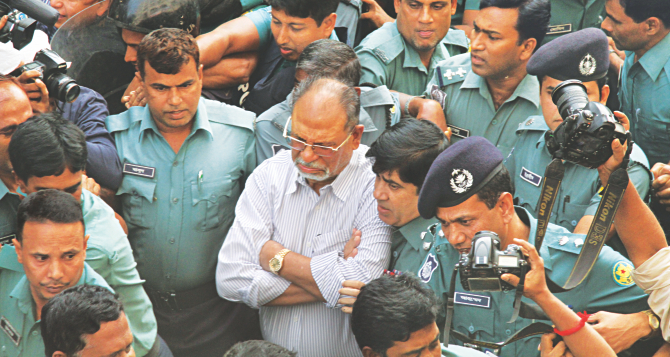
[323, 151]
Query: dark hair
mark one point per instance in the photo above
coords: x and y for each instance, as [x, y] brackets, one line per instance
[45, 145]
[317, 10]
[74, 313]
[390, 309]
[601, 82]
[408, 147]
[258, 348]
[500, 183]
[641, 10]
[348, 99]
[167, 51]
[331, 59]
[47, 205]
[533, 20]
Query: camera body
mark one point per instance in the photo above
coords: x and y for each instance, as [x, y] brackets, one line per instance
[54, 75]
[19, 28]
[585, 136]
[480, 270]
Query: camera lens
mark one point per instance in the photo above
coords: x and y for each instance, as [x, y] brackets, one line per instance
[62, 87]
[569, 96]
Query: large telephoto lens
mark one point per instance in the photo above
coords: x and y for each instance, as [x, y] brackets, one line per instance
[569, 96]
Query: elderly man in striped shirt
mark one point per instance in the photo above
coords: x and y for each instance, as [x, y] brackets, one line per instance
[285, 253]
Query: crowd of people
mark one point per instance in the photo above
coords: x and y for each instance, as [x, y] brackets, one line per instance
[338, 178]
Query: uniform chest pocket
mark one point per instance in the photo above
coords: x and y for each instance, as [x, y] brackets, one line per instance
[138, 197]
[475, 320]
[571, 214]
[528, 195]
[212, 202]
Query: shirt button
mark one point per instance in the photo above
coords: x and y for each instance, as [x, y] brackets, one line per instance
[295, 319]
[494, 122]
[175, 200]
[171, 240]
[395, 254]
[471, 328]
[176, 163]
[508, 332]
[134, 193]
[574, 223]
[167, 276]
[34, 333]
[520, 200]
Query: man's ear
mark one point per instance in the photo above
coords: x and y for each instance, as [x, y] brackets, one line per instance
[654, 26]
[102, 9]
[328, 24]
[368, 352]
[454, 7]
[506, 205]
[19, 249]
[604, 94]
[22, 185]
[200, 72]
[529, 46]
[139, 78]
[358, 90]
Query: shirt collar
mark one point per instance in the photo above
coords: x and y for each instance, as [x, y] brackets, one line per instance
[529, 88]
[656, 58]
[409, 231]
[3, 190]
[201, 122]
[412, 58]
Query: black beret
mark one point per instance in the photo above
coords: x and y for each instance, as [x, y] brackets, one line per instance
[582, 55]
[458, 173]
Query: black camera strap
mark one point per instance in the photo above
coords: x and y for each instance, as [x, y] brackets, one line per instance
[450, 306]
[536, 328]
[553, 175]
[518, 294]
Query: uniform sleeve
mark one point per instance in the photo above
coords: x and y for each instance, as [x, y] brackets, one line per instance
[654, 277]
[88, 112]
[239, 275]
[373, 70]
[397, 114]
[262, 19]
[267, 136]
[249, 157]
[330, 270]
[471, 4]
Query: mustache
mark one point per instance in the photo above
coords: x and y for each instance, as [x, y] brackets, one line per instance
[311, 165]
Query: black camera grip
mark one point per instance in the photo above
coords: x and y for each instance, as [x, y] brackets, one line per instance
[37, 10]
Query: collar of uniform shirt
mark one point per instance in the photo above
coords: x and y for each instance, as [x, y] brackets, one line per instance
[655, 59]
[200, 122]
[528, 89]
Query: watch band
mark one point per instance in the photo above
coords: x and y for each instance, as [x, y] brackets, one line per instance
[280, 257]
[406, 112]
[654, 323]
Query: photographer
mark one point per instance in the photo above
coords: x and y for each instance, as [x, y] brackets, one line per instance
[469, 190]
[88, 112]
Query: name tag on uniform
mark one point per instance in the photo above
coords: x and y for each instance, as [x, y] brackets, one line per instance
[139, 170]
[473, 300]
[276, 149]
[10, 331]
[530, 176]
[7, 240]
[557, 29]
[459, 132]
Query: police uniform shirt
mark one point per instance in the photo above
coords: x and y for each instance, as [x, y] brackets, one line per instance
[379, 110]
[388, 60]
[21, 334]
[579, 194]
[644, 93]
[468, 105]
[568, 16]
[348, 14]
[484, 315]
[179, 206]
[410, 245]
[108, 252]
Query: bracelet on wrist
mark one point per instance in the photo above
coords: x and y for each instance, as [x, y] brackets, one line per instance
[583, 317]
[406, 111]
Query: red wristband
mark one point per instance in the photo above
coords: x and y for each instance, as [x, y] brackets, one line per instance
[584, 316]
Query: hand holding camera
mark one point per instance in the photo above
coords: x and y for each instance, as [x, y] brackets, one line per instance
[535, 285]
[52, 70]
[36, 90]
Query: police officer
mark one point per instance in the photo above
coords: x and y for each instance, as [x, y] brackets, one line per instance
[276, 47]
[487, 92]
[185, 162]
[333, 59]
[402, 156]
[469, 190]
[26, 282]
[582, 55]
[402, 55]
[568, 16]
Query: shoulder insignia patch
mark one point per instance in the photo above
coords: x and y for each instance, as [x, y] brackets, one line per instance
[380, 54]
[451, 74]
[621, 273]
[10, 331]
[428, 268]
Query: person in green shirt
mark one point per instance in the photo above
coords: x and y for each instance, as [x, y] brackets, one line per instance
[569, 16]
[47, 258]
[402, 156]
[487, 92]
[49, 152]
[402, 55]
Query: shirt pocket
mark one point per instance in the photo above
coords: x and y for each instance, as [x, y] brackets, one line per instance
[571, 214]
[528, 194]
[475, 322]
[210, 202]
[137, 195]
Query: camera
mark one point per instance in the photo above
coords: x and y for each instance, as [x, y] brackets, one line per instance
[585, 136]
[22, 17]
[480, 270]
[54, 75]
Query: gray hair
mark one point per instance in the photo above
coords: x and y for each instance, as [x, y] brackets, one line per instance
[328, 88]
[330, 59]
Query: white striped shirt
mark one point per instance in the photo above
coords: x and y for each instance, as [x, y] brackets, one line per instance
[278, 204]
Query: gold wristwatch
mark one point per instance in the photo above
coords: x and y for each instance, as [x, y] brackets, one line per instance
[278, 260]
[654, 323]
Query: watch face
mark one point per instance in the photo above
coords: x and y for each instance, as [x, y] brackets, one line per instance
[275, 264]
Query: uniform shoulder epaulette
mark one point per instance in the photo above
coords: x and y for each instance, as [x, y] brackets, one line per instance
[535, 123]
[457, 38]
[228, 114]
[8, 259]
[385, 43]
[376, 96]
[123, 121]
[453, 70]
